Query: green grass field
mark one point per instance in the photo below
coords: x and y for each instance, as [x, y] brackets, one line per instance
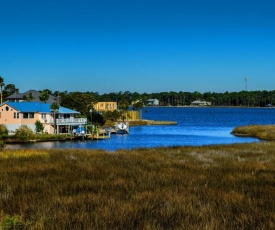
[210, 187]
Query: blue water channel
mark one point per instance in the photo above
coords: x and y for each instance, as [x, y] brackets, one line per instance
[195, 127]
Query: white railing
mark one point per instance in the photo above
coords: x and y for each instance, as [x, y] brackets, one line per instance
[69, 121]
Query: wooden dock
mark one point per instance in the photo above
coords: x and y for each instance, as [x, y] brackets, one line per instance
[99, 135]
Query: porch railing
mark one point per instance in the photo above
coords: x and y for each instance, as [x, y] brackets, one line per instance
[65, 121]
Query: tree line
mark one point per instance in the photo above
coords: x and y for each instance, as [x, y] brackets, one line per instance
[242, 98]
[82, 101]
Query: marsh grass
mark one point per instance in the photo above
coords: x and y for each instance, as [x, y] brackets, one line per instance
[211, 187]
[264, 132]
[33, 137]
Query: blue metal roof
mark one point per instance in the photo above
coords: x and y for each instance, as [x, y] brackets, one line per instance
[33, 107]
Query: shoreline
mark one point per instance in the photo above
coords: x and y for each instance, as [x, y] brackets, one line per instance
[142, 122]
[152, 122]
[262, 132]
[60, 137]
[197, 106]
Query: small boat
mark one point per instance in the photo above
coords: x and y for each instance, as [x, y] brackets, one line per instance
[122, 128]
[96, 133]
[80, 131]
[112, 130]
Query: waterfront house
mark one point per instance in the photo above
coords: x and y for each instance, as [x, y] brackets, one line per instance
[15, 114]
[152, 102]
[20, 97]
[200, 103]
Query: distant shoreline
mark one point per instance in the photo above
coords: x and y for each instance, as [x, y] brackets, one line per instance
[193, 106]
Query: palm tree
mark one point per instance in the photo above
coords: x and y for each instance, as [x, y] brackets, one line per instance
[28, 97]
[44, 96]
[10, 89]
[1, 87]
[55, 107]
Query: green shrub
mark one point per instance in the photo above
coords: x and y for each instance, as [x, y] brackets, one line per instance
[3, 130]
[12, 223]
[39, 127]
[49, 137]
[24, 132]
[112, 115]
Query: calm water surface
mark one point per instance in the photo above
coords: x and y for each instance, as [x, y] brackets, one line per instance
[196, 126]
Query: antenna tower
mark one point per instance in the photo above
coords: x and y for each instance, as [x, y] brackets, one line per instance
[245, 80]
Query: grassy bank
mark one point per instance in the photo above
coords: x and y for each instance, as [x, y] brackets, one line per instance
[10, 139]
[263, 132]
[211, 187]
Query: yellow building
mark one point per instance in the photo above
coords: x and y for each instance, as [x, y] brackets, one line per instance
[105, 106]
[111, 106]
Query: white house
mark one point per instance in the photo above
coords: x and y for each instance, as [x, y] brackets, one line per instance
[152, 102]
[200, 103]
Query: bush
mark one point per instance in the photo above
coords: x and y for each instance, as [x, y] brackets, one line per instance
[24, 132]
[3, 130]
[98, 119]
[112, 115]
[39, 127]
[12, 223]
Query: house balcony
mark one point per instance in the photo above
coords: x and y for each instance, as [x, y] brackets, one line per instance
[69, 121]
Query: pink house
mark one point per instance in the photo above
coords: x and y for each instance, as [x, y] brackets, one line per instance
[15, 114]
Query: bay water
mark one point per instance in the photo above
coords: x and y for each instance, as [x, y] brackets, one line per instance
[195, 127]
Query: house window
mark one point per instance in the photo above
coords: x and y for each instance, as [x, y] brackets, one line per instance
[28, 115]
[16, 115]
[66, 116]
[43, 116]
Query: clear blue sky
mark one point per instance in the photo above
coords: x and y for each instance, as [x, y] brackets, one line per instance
[138, 45]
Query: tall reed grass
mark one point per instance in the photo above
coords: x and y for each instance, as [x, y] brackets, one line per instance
[211, 187]
[264, 132]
